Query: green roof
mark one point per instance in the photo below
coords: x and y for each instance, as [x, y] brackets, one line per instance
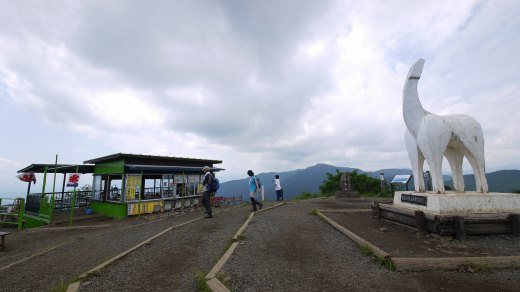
[60, 168]
[151, 159]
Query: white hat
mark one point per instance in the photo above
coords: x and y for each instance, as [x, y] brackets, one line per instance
[206, 168]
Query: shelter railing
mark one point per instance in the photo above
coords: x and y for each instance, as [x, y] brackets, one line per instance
[32, 204]
[62, 200]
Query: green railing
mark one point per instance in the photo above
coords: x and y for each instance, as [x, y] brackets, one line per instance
[61, 200]
[12, 211]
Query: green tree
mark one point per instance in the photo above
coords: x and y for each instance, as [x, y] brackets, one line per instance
[364, 184]
[361, 182]
[331, 184]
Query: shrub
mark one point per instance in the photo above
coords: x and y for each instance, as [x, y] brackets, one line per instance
[361, 182]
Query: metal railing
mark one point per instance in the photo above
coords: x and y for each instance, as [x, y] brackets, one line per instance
[61, 200]
[12, 211]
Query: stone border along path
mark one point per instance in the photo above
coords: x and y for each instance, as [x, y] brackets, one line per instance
[74, 287]
[211, 278]
[38, 253]
[421, 264]
[27, 256]
[399, 263]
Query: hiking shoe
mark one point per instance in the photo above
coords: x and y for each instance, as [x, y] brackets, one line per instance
[261, 206]
[208, 216]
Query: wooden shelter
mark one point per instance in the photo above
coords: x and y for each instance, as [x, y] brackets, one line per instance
[123, 185]
[131, 184]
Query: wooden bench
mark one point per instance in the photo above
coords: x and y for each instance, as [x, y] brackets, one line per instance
[229, 201]
[217, 201]
[237, 200]
[2, 240]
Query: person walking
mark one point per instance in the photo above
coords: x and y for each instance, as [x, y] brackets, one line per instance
[206, 201]
[278, 188]
[254, 188]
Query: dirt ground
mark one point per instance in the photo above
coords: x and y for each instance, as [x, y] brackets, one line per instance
[285, 248]
[288, 249]
[400, 241]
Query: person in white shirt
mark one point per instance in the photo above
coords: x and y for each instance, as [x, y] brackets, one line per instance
[278, 188]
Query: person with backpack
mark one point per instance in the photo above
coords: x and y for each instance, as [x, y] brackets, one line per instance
[254, 187]
[206, 193]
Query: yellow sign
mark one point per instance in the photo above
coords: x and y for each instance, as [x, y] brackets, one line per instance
[133, 182]
[144, 207]
[130, 194]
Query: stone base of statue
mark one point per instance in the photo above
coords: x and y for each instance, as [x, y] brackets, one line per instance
[459, 203]
[346, 194]
[453, 213]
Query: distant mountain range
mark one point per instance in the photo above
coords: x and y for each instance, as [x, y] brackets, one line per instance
[296, 182]
[502, 181]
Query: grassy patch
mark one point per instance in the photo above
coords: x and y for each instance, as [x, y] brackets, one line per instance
[223, 278]
[62, 287]
[387, 262]
[366, 250]
[240, 237]
[201, 279]
[229, 242]
[474, 268]
[314, 212]
[220, 276]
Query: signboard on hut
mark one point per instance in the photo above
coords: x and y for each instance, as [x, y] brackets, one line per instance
[73, 180]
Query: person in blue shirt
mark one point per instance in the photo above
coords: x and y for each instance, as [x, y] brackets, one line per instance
[253, 190]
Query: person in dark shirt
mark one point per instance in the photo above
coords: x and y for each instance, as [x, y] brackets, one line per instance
[206, 201]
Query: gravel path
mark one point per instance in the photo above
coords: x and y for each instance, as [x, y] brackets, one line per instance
[283, 249]
[83, 249]
[287, 249]
[174, 260]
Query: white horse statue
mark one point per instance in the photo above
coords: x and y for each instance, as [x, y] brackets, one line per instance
[432, 137]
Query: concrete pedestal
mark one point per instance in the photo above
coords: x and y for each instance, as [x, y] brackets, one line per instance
[459, 203]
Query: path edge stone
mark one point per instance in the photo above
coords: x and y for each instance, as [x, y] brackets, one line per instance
[213, 283]
[422, 264]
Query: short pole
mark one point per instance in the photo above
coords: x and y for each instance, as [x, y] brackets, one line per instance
[428, 181]
[382, 179]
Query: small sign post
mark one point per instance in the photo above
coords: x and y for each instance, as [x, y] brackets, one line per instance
[73, 182]
[402, 179]
[382, 179]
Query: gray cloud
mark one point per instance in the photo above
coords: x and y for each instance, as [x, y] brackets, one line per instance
[265, 85]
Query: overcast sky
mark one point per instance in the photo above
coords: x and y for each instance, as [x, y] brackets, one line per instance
[261, 85]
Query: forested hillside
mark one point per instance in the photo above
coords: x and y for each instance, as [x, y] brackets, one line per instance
[296, 182]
